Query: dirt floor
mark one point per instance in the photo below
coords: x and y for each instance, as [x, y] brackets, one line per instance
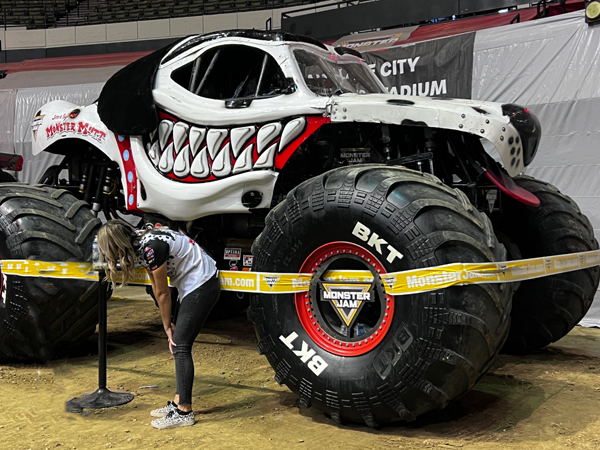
[548, 400]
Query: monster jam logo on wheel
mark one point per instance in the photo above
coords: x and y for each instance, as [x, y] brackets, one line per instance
[347, 299]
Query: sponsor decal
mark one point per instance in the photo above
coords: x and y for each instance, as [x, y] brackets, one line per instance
[149, 251]
[37, 121]
[390, 281]
[503, 268]
[306, 354]
[491, 197]
[242, 282]
[373, 240]
[592, 258]
[347, 299]
[369, 41]
[233, 254]
[60, 116]
[355, 155]
[271, 281]
[248, 259]
[233, 265]
[81, 128]
[73, 114]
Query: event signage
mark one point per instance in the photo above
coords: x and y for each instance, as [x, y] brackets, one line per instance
[436, 68]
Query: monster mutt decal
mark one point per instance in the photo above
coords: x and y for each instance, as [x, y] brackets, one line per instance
[194, 154]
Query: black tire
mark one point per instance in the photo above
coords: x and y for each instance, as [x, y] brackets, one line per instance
[437, 345]
[546, 309]
[41, 317]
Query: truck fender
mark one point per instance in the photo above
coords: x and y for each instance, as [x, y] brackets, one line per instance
[59, 120]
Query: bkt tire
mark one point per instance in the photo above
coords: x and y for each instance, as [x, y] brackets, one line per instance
[546, 309]
[385, 358]
[42, 316]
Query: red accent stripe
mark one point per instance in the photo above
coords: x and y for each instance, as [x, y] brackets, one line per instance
[129, 167]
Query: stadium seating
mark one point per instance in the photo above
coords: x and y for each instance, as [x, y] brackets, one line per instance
[51, 13]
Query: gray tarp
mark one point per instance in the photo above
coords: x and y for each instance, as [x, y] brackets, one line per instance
[7, 119]
[553, 67]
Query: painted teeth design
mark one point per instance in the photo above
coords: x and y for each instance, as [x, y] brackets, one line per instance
[182, 163]
[184, 150]
[239, 136]
[222, 163]
[180, 132]
[167, 159]
[266, 135]
[200, 167]
[164, 132]
[196, 138]
[267, 159]
[154, 153]
[214, 139]
[244, 162]
[292, 130]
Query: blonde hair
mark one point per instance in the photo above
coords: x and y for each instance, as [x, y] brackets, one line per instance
[116, 239]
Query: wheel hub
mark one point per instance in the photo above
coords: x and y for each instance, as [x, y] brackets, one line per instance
[344, 313]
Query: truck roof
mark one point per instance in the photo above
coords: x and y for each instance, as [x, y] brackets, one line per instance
[188, 42]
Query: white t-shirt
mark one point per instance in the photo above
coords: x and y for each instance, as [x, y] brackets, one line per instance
[188, 265]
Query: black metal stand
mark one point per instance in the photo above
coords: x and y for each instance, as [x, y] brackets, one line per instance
[102, 397]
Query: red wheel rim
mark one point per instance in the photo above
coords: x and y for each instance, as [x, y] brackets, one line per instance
[309, 322]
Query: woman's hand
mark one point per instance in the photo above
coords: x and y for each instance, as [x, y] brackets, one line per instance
[170, 332]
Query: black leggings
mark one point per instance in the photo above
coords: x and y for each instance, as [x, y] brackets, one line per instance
[193, 310]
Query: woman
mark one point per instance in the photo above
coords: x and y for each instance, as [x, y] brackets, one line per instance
[166, 253]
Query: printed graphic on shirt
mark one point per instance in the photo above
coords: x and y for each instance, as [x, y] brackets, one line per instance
[154, 254]
[188, 265]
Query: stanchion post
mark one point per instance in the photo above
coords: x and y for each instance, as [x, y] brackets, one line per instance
[101, 397]
[102, 324]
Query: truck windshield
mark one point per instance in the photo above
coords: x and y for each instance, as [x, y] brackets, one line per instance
[334, 75]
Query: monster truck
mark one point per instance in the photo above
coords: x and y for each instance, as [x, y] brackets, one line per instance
[278, 144]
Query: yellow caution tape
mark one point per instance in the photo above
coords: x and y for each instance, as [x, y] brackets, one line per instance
[396, 283]
[28, 268]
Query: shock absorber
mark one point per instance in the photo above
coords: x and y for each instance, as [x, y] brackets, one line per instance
[386, 139]
[97, 205]
[83, 180]
[89, 179]
[107, 186]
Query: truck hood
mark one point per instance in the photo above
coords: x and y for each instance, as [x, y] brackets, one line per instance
[484, 119]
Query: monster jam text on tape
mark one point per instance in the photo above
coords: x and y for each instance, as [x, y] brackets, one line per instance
[396, 283]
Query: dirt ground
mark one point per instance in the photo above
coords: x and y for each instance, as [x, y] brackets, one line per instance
[548, 400]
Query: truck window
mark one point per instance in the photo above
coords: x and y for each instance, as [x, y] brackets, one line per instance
[233, 71]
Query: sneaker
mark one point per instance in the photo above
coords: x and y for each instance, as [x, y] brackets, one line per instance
[174, 419]
[162, 412]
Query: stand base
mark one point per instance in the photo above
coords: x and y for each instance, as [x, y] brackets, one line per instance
[101, 398]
